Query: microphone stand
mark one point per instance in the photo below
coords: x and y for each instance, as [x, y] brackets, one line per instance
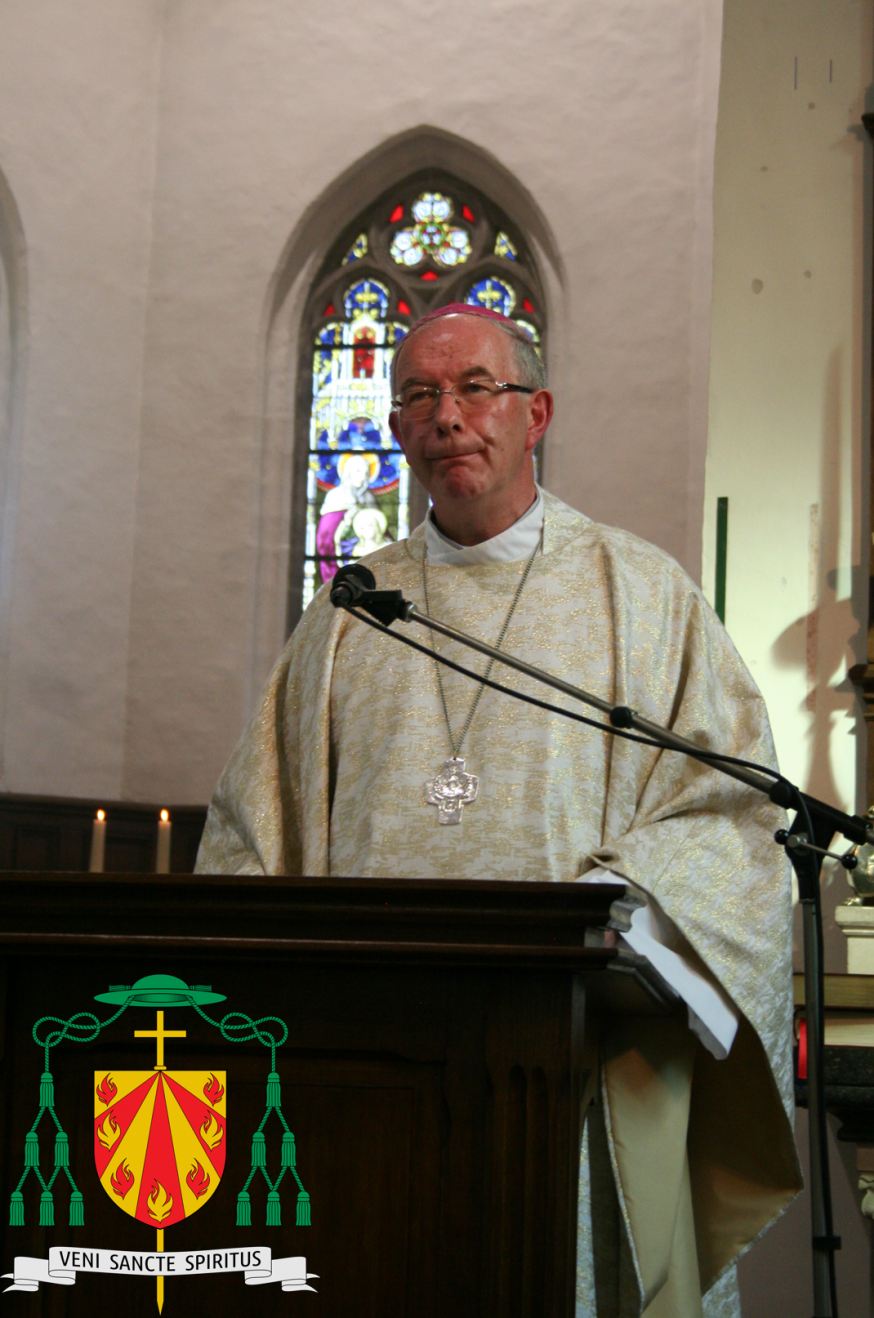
[806, 842]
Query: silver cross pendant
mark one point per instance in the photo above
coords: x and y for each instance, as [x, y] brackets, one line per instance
[451, 790]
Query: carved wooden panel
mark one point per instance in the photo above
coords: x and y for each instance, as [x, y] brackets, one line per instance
[432, 1078]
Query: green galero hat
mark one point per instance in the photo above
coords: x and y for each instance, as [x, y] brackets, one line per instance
[160, 991]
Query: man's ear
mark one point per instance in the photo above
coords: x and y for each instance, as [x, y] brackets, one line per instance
[540, 410]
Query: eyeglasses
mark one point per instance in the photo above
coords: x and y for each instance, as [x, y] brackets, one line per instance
[419, 402]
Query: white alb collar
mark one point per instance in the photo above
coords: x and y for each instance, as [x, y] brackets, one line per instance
[511, 546]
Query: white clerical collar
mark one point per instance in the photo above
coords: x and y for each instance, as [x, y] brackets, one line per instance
[512, 545]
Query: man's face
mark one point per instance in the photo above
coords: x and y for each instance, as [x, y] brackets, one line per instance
[462, 456]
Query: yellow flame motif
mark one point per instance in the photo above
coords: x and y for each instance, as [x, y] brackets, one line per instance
[212, 1131]
[159, 1212]
[107, 1132]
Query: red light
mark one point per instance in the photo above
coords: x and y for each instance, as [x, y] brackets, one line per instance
[429, 275]
[526, 306]
[403, 309]
[397, 214]
[329, 310]
[467, 214]
[802, 1051]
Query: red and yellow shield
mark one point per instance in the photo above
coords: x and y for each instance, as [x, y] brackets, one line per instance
[159, 1140]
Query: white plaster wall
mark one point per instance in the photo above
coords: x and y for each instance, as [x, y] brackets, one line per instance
[77, 108]
[789, 428]
[789, 394]
[606, 116]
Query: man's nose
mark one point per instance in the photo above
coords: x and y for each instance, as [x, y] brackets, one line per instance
[447, 413]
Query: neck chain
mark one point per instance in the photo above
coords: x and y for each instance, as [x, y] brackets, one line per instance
[452, 789]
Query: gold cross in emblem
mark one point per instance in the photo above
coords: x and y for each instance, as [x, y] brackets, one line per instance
[159, 1034]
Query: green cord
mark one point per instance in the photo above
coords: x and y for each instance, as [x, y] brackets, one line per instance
[85, 1027]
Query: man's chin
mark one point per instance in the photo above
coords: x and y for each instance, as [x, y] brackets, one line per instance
[459, 482]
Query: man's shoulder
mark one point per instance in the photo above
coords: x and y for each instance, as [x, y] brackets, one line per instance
[381, 562]
[612, 544]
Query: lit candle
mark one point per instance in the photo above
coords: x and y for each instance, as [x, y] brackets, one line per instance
[98, 842]
[162, 863]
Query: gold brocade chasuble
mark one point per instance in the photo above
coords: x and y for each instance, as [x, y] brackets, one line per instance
[330, 776]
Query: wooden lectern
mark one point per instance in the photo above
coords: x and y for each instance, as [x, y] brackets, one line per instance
[432, 1077]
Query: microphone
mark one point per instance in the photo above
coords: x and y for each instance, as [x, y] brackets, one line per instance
[354, 586]
[350, 584]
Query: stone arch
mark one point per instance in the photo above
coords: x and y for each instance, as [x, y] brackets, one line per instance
[387, 166]
[13, 358]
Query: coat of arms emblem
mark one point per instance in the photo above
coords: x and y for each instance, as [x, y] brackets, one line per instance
[160, 1143]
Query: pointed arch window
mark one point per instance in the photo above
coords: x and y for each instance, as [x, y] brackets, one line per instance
[431, 241]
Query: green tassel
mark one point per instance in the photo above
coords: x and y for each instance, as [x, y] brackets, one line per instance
[16, 1209]
[259, 1150]
[288, 1153]
[31, 1149]
[46, 1209]
[62, 1150]
[274, 1093]
[77, 1209]
[303, 1209]
[274, 1217]
[244, 1209]
[46, 1090]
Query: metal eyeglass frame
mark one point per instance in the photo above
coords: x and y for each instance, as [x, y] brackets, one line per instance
[503, 387]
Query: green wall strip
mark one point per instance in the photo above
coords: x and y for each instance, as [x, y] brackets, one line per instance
[721, 555]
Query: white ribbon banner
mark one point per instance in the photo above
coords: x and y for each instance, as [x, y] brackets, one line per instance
[256, 1263]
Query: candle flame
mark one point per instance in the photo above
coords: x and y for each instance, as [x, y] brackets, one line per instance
[101, 814]
[165, 815]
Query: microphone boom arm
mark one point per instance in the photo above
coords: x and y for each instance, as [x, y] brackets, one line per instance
[619, 715]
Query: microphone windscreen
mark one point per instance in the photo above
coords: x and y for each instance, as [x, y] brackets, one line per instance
[359, 573]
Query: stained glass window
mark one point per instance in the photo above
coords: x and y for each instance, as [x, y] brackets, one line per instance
[357, 479]
[494, 294]
[503, 247]
[432, 241]
[531, 330]
[432, 234]
[357, 250]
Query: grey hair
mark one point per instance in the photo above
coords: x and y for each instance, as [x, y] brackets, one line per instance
[529, 363]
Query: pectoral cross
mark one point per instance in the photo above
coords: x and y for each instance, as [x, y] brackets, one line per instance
[451, 790]
[159, 1034]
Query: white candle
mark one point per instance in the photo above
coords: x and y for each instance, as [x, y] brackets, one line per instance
[98, 843]
[162, 863]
